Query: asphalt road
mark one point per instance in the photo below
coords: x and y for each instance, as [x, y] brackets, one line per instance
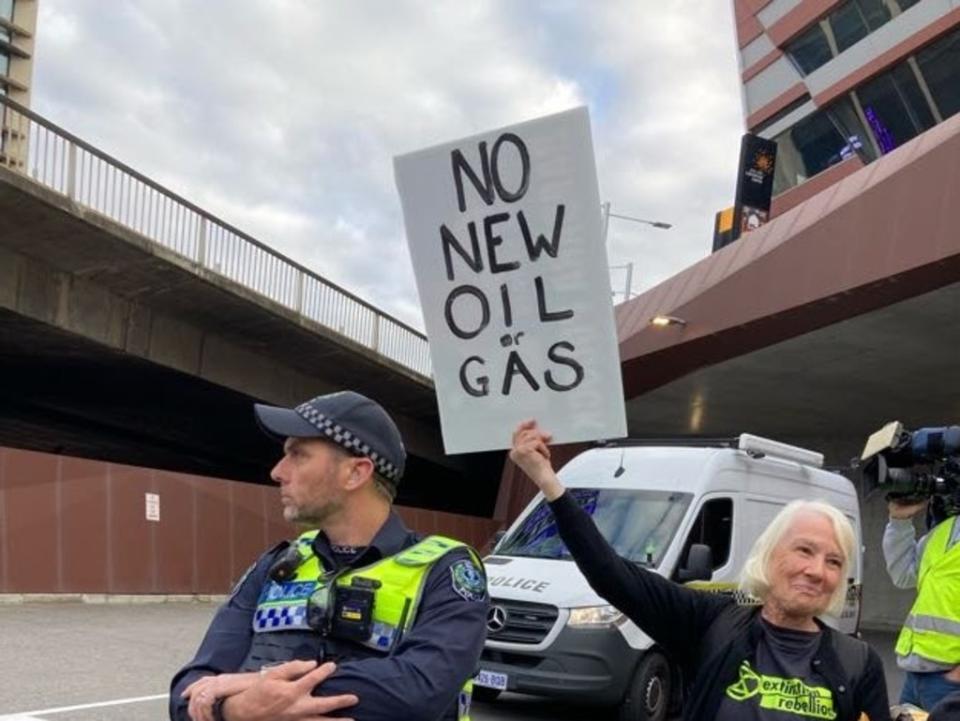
[112, 662]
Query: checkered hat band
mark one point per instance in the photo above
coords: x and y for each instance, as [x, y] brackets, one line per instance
[342, 437]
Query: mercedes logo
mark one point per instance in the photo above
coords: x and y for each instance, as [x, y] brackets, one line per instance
[496, 619]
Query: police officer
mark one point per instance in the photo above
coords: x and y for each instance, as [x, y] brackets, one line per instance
[403, 618]
[928, 647]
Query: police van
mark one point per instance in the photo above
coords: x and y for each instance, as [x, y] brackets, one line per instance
[690, 514]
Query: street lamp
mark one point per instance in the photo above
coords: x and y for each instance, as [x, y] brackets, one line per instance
[606, 215]
[662, 321]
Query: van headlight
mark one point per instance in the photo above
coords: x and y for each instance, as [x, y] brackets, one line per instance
[594, 616]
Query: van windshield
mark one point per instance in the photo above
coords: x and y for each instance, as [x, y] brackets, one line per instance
[639, 524]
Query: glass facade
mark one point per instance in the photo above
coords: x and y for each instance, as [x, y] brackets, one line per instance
[876, 117]
[821, 139]
[847, 24]
[4, 67]
[938, 64]
[6, 9]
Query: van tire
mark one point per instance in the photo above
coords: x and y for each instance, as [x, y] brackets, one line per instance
[648, 697]
[485, 695]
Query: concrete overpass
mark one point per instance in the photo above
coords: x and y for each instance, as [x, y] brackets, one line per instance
[137, 328]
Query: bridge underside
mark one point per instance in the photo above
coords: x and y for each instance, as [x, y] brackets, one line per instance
[115, 348]
[62, 394]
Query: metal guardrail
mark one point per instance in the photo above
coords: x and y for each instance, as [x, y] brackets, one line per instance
[62, 162]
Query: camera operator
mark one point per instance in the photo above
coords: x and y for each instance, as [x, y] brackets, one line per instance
[928, 648]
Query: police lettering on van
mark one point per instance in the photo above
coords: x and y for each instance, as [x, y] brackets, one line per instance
[524, 584]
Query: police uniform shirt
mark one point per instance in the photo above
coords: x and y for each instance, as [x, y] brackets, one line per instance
[420, 679]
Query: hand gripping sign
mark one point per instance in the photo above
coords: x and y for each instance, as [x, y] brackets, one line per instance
[504, 234]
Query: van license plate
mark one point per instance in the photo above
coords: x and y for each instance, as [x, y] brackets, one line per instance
[489, 679]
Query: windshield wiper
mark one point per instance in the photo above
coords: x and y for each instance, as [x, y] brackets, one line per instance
[532, 555]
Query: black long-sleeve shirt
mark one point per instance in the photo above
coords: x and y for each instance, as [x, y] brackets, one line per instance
[707, 634]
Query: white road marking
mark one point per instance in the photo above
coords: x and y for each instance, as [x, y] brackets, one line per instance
[32, 715]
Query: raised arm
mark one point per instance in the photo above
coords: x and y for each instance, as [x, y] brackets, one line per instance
[674, 616]
[901, 551]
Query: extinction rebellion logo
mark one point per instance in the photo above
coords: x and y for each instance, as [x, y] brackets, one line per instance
[782, 694]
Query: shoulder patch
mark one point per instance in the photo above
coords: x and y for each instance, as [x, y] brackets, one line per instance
[239, 584]
[468, 581]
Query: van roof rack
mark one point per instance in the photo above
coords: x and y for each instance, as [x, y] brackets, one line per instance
[754, 446]
[693, 441]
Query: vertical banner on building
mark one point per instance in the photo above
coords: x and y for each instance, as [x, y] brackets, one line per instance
[504, 234]
[758, 157]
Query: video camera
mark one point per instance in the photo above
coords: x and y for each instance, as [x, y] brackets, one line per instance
[912, 466]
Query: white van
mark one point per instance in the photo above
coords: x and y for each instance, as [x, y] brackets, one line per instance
[549, 634]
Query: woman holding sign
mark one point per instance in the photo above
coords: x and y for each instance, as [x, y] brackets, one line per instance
[772, 662]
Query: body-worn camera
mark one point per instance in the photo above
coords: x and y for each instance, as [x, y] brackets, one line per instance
[911, 466]
[344, 612]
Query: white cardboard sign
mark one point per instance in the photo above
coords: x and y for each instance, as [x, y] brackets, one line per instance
[504, 233]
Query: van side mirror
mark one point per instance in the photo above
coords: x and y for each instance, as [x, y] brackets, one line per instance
[497, 537]
[699, 564]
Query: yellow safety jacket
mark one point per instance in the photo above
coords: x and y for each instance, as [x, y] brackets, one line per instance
[932, 629]
[400, 579]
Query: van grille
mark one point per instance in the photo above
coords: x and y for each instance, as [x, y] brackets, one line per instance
[525, 622]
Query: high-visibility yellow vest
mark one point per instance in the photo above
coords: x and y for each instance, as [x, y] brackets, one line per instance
[932, 629]
[401, 577]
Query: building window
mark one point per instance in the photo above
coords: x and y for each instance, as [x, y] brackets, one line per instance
[876, 117]
[914, 95]
[939, 65]
[810, 50]
[849, 23]
[6, 12]
[895, 108]
[820, 140]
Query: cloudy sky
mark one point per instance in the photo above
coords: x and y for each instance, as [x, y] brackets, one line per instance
[282, 117]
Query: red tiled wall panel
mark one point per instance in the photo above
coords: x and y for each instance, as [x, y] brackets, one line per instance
[70, 525]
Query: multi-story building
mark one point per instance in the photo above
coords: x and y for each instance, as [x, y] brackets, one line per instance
[18, 22]
[839, 83]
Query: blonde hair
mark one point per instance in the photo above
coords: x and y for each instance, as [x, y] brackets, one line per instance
[754, 579]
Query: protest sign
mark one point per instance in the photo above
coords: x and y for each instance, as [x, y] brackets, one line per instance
[504, 235]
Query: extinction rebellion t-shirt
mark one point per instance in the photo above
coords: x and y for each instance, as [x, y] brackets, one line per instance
[781, 682]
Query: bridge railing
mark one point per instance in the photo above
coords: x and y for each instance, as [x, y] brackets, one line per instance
[66, 164]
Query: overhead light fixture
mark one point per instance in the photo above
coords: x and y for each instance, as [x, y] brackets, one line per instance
[662, 321]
